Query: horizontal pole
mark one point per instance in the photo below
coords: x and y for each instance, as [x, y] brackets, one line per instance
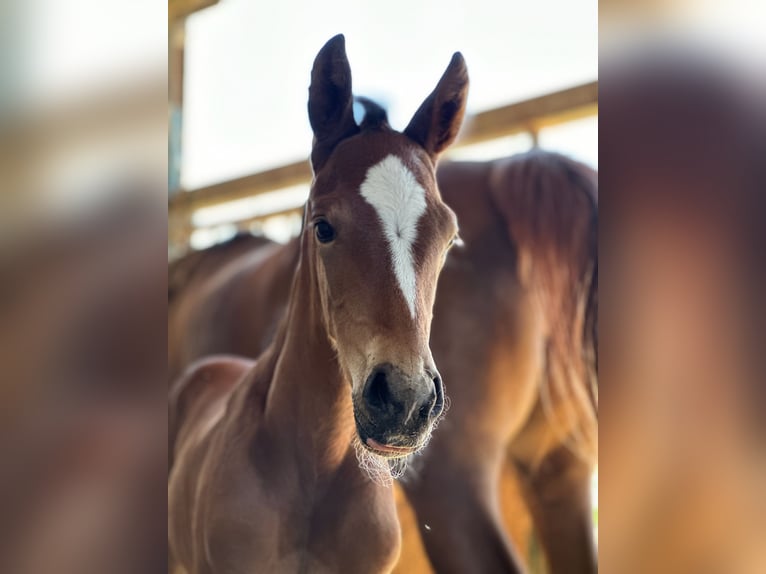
[179, 9]
[531, 115]
[243, 187]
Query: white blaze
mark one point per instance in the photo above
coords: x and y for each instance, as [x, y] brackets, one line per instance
[400, 200]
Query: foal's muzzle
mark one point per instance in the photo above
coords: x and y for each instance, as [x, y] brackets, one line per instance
[395, 412]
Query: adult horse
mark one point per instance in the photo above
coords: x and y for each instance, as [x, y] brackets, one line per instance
[514, 336]
[265, 475]
[198, 265]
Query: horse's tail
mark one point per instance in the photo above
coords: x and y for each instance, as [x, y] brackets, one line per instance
[194, 264]
[550, 204]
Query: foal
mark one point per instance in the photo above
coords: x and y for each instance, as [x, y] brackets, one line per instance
[265, 476]
[517, 437]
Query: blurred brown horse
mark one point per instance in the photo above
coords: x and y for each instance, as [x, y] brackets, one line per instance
[514, 335]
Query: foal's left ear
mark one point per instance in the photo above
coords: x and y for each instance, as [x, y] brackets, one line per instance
[436, 123]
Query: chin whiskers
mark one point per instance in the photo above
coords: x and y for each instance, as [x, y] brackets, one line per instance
[381, 470]
[375, 467]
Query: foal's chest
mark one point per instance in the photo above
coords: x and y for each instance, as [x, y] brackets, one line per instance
[347, 526]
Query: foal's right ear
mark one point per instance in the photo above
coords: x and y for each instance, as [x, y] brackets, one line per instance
[331, 110]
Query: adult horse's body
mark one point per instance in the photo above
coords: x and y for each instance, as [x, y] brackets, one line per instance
[265, 476]
[513, 333]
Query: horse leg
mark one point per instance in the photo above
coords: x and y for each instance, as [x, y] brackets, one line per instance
[458, 516]
[557, 491]
[518, 521]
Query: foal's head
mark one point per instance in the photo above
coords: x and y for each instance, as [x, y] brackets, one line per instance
[379, 233]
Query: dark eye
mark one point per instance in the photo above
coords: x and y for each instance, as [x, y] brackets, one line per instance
[324, 231]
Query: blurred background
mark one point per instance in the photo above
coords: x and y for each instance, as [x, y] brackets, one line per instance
[681, 380]
[83, 172]
[239, 78]
[91, 156]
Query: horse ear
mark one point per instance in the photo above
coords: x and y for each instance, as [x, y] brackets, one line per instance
[436, 123]
[330, 103]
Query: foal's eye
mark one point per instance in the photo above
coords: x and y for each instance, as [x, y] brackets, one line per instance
[324, 231]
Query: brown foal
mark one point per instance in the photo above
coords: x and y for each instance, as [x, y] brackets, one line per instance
[514, 337]
[266, 455]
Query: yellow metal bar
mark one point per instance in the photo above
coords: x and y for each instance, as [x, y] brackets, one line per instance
[179, 9]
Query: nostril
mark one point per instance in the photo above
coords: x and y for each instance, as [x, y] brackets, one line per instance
[432, 405]
[439, 401]
[378, 394]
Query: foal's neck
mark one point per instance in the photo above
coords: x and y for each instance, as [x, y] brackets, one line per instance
[308, 402]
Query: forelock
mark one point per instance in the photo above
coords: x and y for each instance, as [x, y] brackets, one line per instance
[370, 115]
